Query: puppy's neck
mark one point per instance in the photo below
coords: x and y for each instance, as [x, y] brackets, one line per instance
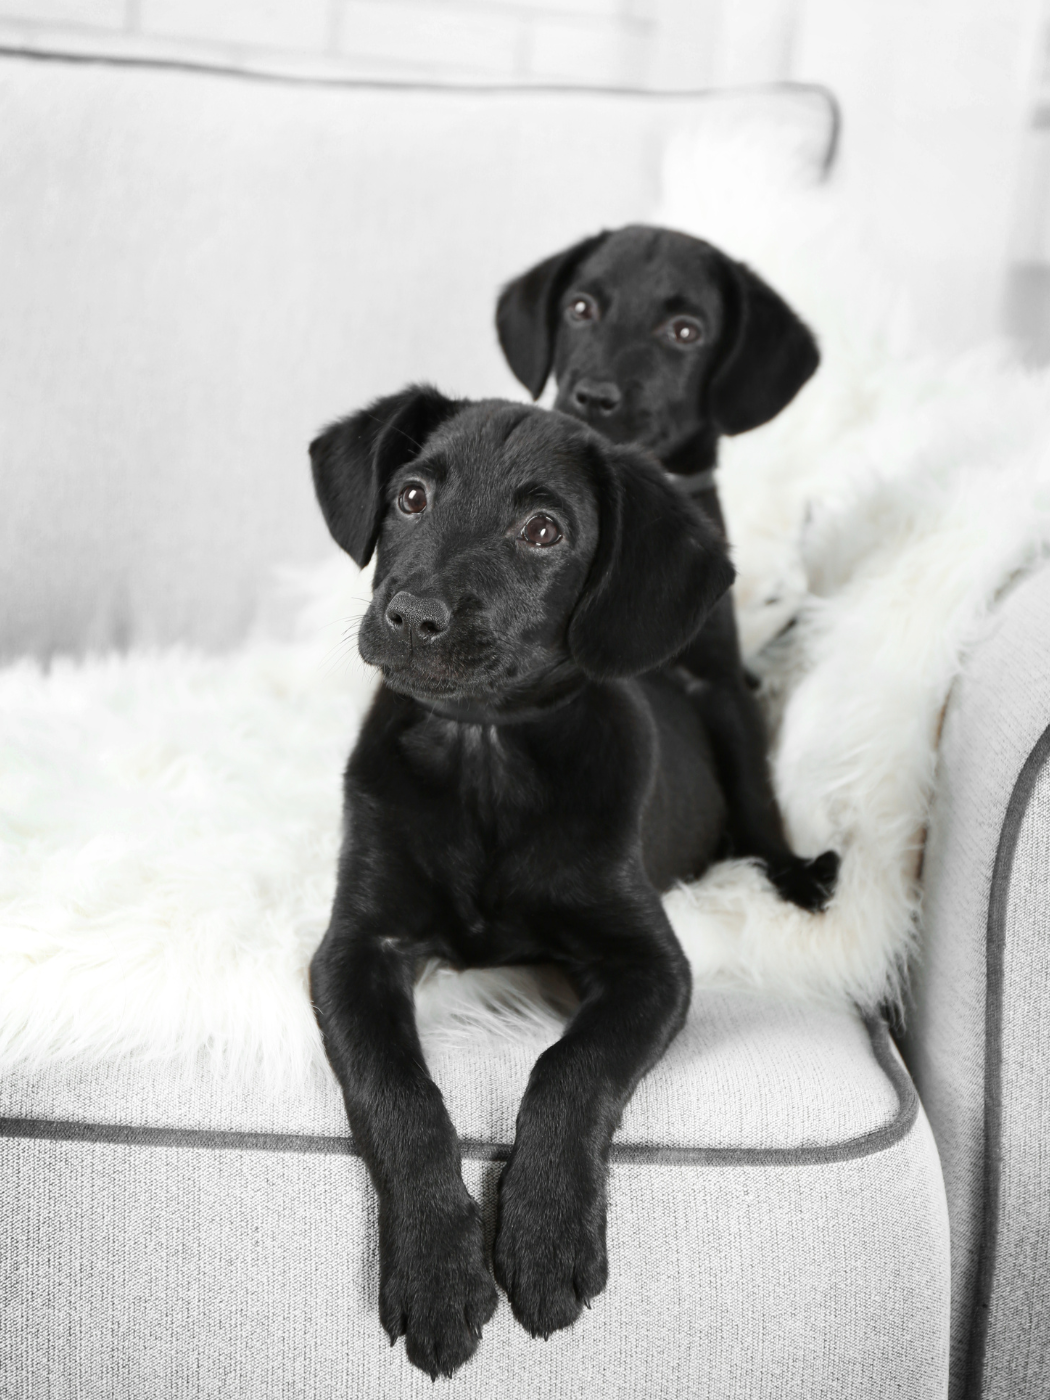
[692, 466]
[697, 455]
[531, 703]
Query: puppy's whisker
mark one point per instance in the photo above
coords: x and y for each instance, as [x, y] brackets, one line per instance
[334, 656]
[335, 622]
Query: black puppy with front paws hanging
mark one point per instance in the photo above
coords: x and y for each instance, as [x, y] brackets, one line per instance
[523, 787]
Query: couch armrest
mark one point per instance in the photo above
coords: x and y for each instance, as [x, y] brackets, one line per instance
[978, 1038]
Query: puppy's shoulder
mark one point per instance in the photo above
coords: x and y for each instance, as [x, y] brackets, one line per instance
[612, 732]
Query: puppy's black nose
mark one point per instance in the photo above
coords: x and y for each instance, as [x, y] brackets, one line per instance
[417, 619]
[594, 397]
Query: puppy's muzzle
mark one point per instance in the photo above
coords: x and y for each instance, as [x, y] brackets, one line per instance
[415, 621]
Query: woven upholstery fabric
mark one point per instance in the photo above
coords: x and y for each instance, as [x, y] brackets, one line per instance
[202, 1271]
[998, 709]
[746, 1072]
[220, 1275]
[1016, 1353]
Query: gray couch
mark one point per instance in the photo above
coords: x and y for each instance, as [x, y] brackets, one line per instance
[978, 1042]
[198, 272]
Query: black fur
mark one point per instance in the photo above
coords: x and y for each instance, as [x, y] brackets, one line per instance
[621, 371]
[523, 787]
[753, 357]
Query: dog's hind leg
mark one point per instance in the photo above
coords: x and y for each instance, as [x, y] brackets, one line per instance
[734, 723]
[754, 827]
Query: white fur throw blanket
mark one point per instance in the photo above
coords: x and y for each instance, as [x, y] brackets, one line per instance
[169, 822]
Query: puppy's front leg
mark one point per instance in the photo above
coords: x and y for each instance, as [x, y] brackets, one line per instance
[435, 1288]
[550, 1243]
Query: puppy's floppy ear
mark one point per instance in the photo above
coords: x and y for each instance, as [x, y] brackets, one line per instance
[659, 568]
[527, 313]
[769, 354]
[353, 460]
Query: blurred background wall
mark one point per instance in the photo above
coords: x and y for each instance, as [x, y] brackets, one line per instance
[197, 271]
[946, 149]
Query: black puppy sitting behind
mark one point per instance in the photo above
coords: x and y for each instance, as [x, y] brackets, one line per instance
[661, 339]
[514, 797]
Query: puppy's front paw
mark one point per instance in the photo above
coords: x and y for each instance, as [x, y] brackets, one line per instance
[435, 1289]
[807, 883]
[550, 1242]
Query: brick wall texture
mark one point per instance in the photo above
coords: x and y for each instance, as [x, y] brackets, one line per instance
[603, 42]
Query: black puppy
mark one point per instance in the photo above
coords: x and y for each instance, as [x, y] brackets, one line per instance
[658, 338]
[514, 797]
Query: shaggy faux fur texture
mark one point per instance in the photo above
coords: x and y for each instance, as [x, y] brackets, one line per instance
[874, 523]
[170, 822]
[169, 825]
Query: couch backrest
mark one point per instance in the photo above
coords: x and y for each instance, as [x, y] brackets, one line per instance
[197, 271]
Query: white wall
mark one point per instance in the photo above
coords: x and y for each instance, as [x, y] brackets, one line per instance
[937, 97]
[937, 160]
[592, 41]
[721, 42]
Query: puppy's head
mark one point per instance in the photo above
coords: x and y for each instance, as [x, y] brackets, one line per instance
[512, 545]
[655, 337]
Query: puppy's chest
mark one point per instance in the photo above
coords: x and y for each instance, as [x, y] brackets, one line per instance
[491, 786]
[489, 842]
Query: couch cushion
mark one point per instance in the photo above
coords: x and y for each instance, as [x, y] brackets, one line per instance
[777, 1228]
[746, 1074]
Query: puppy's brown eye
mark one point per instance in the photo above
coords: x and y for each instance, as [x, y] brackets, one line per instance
[541, 531]
[684, 330]
[413, 498]
[582, 308]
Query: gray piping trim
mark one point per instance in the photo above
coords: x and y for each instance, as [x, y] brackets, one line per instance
[263, 75]
[998, 905]
[878, 1140]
